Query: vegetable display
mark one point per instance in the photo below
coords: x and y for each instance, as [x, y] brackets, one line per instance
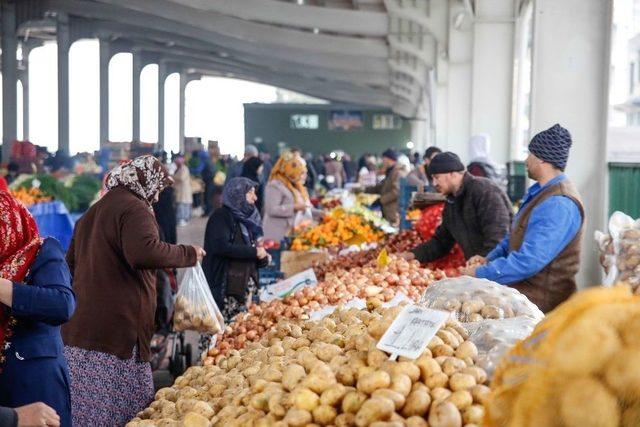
[30, 196]
[329, 372]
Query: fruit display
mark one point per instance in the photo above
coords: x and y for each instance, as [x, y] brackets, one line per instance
[429, 220]
[30, 196]
[337, 228]
[413, 214]
[579, 367]
[473, 300]
[337, 288]
[329, 372]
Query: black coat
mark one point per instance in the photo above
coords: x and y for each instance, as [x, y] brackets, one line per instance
[165, 211]
[478, 217]
[221, 247]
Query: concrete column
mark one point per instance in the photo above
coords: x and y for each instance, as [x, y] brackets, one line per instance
[62, 35]
[183, 85]
[569, 86]
[9, 76]
[162, 77]
[105, 57]
[137, 68]
[492, 74]
[24, 78]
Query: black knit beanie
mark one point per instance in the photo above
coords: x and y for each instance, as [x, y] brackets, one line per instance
[391, 154]
[444, 163]
[552, 146]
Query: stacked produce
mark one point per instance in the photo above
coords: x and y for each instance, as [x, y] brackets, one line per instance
[336, 229]
[395, 243]
[329, 372]
[579, 368]
[75, 192]
[337, 288]
[30, 196]
[426, 226]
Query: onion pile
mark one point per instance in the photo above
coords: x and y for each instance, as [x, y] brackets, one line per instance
[337, 288]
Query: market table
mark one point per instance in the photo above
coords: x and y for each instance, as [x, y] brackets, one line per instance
[53, 220]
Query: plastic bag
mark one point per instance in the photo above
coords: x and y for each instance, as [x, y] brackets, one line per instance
[195, 308]
[473, 300]
[494, 338]
[303, 219]
[620, 250]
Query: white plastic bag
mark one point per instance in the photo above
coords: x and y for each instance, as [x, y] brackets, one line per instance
[303, 219]
[474, 300]
[195, 308]
[620, 250]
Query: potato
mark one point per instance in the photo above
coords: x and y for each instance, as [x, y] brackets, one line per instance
[587, 392]
[440, 394]
[492, 312]
[623, 374]
[167, 393]
[437, 380]
[260, 402]
[409, 369]
[480, 394]
[376, 358]
[397, 399]
[631, 416]
[448, 338]
[373, 381]
[297, 417]
[353, 401]
[401, 383]
[416, 421]
[275, 405]
[467, 349]
[303, 398]
[461, 398]
[452, 365]
[365, 370]
[461, 381]
[326, 352]
[478, 373]
[419, 386]
[374, 409]
[292, 375]
[345, 420]
[417, 404]
[473, 306]
[193, 419]
[435, 342]
[474, 414]
[427, 366]
[320, 379]
[443, 350]
[475, 317]
[346, 376]
[272, 374]
[333, 395]
[324, 415]
[445, 415]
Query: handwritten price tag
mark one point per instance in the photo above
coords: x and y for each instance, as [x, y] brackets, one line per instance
[287, 287]
[411, 332]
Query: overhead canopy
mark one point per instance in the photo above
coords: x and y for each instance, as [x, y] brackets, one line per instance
[371, 52]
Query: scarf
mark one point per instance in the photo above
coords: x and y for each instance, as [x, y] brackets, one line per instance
[144, 176]
[289, 170]
[19, 246]
[234, 197]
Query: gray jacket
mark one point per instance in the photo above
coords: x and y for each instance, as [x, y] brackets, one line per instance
[279, 213]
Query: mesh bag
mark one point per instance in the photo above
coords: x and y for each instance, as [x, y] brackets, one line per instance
[195, 308]
[579, 367]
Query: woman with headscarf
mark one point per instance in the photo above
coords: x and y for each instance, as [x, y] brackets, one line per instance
[252, 169]
[114, 255]
[233, 258]
[36, 298]
[284, 196]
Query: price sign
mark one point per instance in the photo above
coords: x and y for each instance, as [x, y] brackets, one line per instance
[290, 286]
[410, 333]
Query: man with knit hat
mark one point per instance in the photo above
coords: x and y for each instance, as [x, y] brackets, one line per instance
[389, 187]
[476, 215]
[541, 254]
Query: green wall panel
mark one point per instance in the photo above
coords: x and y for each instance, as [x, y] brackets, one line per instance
[270, 124]
[624, 188]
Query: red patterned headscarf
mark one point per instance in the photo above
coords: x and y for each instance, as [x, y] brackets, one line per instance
[19, 246]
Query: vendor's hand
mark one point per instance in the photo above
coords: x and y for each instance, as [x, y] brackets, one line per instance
[477, 260]
[200, 253]
[262, 253]
[299, 206]
[409, 256]
[37, 415]
[469, 271]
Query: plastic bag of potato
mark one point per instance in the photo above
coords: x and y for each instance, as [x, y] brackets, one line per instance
[474, 300]
[195, 309]
[329, 372]
[579, 368]
[620, 250]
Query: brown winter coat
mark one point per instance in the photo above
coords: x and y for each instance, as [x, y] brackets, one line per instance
[113, 258]
[389, 190]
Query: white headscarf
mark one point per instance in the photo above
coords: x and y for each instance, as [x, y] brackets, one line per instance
[480, 148]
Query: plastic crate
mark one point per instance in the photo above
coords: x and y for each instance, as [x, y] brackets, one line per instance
[404, 201]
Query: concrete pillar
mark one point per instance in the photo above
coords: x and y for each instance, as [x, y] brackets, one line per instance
[162, 77]
[492, 74]
[105, 57]
[62, 35]
[9, 76]
[569, 86]
[183, 85]
[24, 78]
[137, 68]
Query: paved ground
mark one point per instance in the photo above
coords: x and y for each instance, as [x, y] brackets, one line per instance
[192, 234]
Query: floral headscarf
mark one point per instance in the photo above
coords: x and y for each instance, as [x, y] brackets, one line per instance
[19, 246]
[144, 176]
[288, 170]
[234, 197]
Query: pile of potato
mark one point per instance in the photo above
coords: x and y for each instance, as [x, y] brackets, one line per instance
[189, 316]
[337, 288]
[329, 372]
[474, 300]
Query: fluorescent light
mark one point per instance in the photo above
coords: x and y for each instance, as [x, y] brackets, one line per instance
[410, 145]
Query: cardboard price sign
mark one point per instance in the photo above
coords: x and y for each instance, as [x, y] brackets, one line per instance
[411, 331]
[289, 286]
